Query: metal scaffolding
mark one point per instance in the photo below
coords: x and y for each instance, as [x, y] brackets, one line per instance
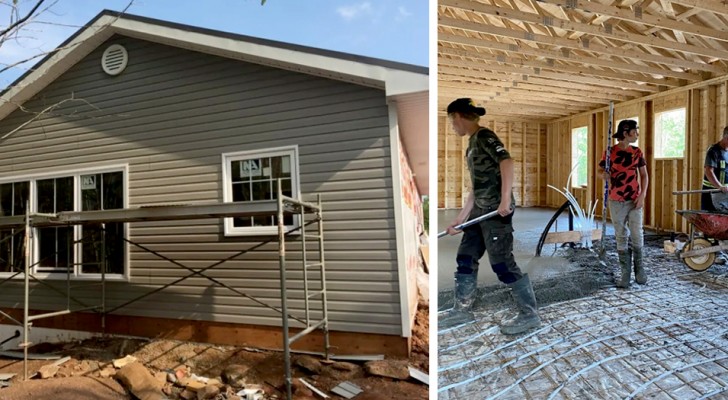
[281, 207]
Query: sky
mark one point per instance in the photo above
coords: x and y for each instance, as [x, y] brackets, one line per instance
[395, 30]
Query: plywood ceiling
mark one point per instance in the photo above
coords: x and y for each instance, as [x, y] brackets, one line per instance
[546, 59]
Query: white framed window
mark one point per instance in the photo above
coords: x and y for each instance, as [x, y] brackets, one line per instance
[14, 196]
[635, 119]
[78, 250]
[252, 176]
[670, 134]
[579, 156]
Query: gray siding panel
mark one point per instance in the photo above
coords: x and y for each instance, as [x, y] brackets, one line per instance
[170, 116]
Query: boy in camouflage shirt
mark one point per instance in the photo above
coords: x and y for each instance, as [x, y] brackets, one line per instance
[491, 173]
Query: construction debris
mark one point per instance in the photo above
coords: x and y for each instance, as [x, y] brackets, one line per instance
[314, 389]
[137, 379]
[396, 369]
[347, 390]
[48, 371]
[419, 375]
[122, 362]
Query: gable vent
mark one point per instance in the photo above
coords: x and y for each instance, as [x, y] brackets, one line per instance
[114, 59]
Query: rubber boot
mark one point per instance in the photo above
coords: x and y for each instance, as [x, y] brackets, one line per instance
[625, 264]
[640, 276]
[525, 299]
[465, 288]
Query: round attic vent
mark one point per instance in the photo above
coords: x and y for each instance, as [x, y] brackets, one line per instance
[114, 59]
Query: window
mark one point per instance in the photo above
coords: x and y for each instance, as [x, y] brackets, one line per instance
[77, 250]
[13, 200]
[579, 156]
[636, 119]
[102, 192]
[55, 244]
[253, 176]
[670, 134]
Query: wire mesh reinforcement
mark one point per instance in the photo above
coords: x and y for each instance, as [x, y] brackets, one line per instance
[667, 339]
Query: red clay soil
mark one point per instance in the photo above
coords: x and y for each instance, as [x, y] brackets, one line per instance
[89, 373]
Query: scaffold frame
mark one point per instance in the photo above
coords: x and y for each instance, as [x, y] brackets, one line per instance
[280, 207]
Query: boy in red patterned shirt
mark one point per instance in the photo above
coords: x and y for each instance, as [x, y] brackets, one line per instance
[628, 183]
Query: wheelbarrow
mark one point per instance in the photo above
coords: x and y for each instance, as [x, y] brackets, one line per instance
[699, 252]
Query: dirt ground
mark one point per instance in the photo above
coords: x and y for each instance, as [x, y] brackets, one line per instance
[89, 374]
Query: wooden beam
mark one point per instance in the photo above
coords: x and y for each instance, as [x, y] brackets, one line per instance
[567, 43]
[715, 6]
[567, 68]
[566, 87]
[565, 54]
[670, 12]
[644, 18]
[531, 91]
[583, 27]
[546, 74]
[511, 96]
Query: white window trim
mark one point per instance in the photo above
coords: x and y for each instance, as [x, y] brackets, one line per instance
[75, 173]
[228, 158]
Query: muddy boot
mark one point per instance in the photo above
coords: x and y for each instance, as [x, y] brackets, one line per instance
[625, 264]
[640, 276]
[465, 288]
[525, 299]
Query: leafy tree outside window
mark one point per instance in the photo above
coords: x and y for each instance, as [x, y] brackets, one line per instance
[579, 156]
[670, 134]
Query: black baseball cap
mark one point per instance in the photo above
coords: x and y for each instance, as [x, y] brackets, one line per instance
[625, 125]
[465, 106]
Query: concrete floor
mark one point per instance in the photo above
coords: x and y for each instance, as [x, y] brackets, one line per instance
[667, 339]
[528, 224]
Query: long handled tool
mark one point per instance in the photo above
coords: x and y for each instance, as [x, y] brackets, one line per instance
[608, 154]
[719, 199]
[472, 221]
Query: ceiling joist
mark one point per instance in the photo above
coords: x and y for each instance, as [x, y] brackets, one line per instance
[541, 59]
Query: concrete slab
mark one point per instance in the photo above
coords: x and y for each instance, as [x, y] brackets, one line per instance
[667, 339]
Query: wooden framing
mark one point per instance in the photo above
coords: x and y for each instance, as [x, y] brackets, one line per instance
[536, 65]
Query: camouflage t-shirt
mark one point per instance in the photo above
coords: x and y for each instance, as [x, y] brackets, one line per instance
[484, 154]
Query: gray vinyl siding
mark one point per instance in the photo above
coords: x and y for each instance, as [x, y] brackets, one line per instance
[169, 116]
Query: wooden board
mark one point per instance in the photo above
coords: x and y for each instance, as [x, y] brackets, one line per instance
[570, 236]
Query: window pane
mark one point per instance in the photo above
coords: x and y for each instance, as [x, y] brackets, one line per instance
[46, 196]
[21, 195]
[281, 167]
[90, 192]
[262, 190]
[266, 169]
[579, 156]
[92, 249]
[241, 192]
[113, 187]
[13, 197]
[102, 192]
[242, 221]
[47, 246]
[64, 194]
[670, 134]
[6, 199]
[286, 187]
[235, 169]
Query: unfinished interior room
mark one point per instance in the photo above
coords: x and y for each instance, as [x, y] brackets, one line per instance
[161, 180]
[556, 78]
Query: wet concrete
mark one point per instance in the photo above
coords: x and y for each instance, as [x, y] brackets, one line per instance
[528, 224]
[667, 339]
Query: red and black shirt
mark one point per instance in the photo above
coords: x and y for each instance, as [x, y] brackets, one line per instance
[623, 165]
